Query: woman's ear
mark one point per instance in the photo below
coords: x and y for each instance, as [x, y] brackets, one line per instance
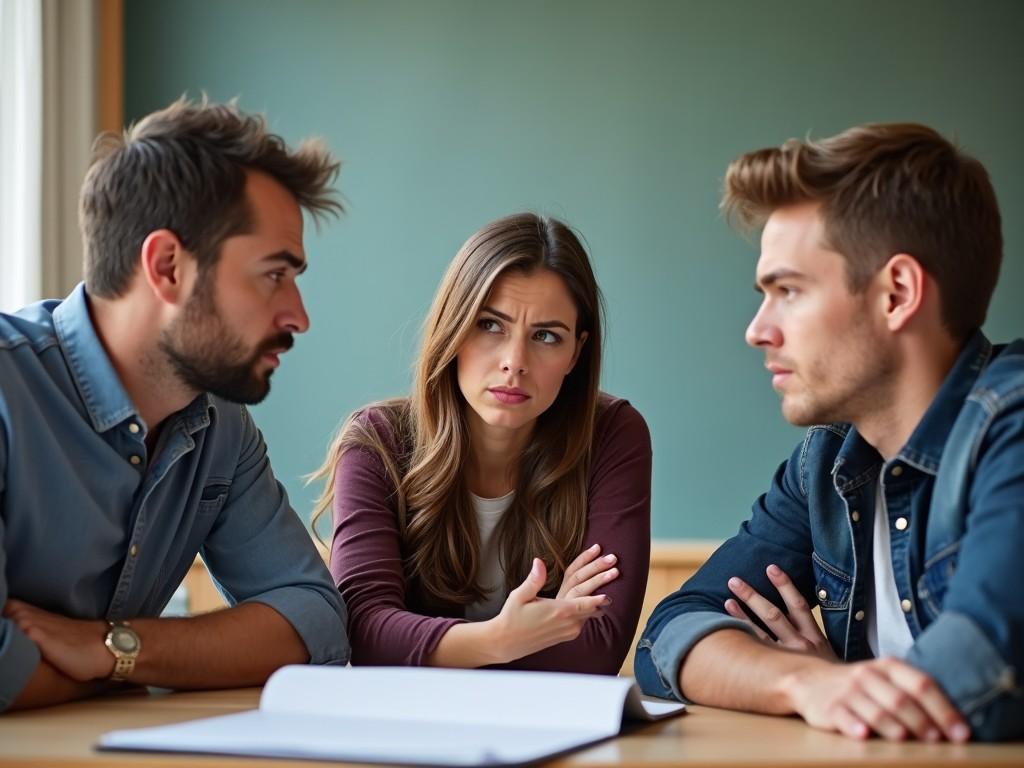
[580, 341]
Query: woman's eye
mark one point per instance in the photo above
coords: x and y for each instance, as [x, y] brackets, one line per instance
[547, 337]
[276, 277]
[489, 325]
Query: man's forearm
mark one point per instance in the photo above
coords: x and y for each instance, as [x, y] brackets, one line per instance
[731, 669]
[234, 647]
[49, 686]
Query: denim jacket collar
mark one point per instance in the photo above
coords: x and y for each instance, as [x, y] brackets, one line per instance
[858, 462]
[105, 398]
[924, 448]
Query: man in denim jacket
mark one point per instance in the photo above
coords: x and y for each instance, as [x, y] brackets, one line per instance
[125, 444]
[901, 514]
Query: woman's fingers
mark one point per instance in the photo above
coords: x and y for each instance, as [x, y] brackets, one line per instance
[594, 583]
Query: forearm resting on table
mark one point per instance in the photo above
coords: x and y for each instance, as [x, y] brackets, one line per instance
[230, 648]
[733, 670]
[49, 686]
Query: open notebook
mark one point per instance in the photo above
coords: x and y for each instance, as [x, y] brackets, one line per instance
[411, 715]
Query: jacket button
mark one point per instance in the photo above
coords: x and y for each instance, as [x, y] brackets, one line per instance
[897, 471]
[822, 594]
[901, 523]
[859, 616]
[855, 516]
[906, 605]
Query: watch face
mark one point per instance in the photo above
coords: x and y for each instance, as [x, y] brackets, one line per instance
[124, 640]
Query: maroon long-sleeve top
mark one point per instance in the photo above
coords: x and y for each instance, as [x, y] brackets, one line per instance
[388, 627]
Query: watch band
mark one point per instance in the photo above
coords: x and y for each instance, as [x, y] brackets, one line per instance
[123, 667]
[124, 660]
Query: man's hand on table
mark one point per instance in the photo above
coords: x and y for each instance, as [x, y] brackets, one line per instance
[884, 696]
[73, 646]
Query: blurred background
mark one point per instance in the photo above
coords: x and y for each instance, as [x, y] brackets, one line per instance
[617, 117]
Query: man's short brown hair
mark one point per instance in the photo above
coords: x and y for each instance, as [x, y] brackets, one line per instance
[886, 189]
[183, 168]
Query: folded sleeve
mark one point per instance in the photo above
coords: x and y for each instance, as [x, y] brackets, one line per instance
[778, 531]
[260, 551]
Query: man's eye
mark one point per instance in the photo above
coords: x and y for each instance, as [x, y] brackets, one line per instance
[276, 276]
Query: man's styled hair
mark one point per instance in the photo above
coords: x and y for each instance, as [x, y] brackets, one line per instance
[183, 168]
[886, 189]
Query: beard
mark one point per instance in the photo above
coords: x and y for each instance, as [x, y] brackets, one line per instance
[843, 386]
[207, 356]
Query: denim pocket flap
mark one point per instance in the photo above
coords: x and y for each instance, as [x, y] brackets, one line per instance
[213, 496]
[832, 587]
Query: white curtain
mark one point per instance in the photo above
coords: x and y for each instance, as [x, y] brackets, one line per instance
[48, 119]
[21, 152]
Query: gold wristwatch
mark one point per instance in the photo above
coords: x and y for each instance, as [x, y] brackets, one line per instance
[124, 643]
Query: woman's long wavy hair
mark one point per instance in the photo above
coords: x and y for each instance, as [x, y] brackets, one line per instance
[437, 523]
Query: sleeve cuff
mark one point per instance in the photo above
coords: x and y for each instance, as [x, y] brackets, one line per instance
[19, 658]
[678, 637]
[319, 622]
[958, 655]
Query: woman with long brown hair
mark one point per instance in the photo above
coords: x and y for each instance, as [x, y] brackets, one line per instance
[501, 514]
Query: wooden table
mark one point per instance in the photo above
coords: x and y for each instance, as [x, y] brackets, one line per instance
[61, 737]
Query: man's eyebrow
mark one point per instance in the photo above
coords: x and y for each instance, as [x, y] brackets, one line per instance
[295, 262]
[765, 281]
[544, 324]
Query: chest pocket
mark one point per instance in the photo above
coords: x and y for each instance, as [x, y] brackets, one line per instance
[832, 587]
[934, 581]
[214, 495]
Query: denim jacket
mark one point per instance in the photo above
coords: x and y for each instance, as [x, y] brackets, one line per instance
[955, 501]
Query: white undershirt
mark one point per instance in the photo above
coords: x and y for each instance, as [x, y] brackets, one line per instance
[888, 633]
[492, 575]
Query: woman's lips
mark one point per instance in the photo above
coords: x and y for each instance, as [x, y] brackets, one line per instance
[509, 395]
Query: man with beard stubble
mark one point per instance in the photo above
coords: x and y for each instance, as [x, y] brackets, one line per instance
[900, 513]
[125, 444]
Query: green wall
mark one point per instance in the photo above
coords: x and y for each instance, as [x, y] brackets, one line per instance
[619, 117]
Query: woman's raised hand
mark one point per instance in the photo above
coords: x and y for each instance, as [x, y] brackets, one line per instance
[588, 573]
[528, 623]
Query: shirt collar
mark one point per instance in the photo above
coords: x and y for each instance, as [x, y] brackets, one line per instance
[923, 450]
[105, 398]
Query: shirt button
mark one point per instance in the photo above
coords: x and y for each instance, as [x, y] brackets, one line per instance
[822, 594]
[855, 516]
[906, 605]
[135, 460]
[133, 428]
[133, 551]
[859, 616]
[901, 523]
[897, 471]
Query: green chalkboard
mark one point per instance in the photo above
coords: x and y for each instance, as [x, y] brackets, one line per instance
[619, 117]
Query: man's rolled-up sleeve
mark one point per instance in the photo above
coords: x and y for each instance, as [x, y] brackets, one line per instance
[260, 551]
[777, 532]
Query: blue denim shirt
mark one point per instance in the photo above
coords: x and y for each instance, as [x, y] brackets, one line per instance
[958, 483]
[93, 526]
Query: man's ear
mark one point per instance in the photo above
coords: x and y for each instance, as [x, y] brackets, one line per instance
[903, 285]
[579, 348]
[165, 264]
